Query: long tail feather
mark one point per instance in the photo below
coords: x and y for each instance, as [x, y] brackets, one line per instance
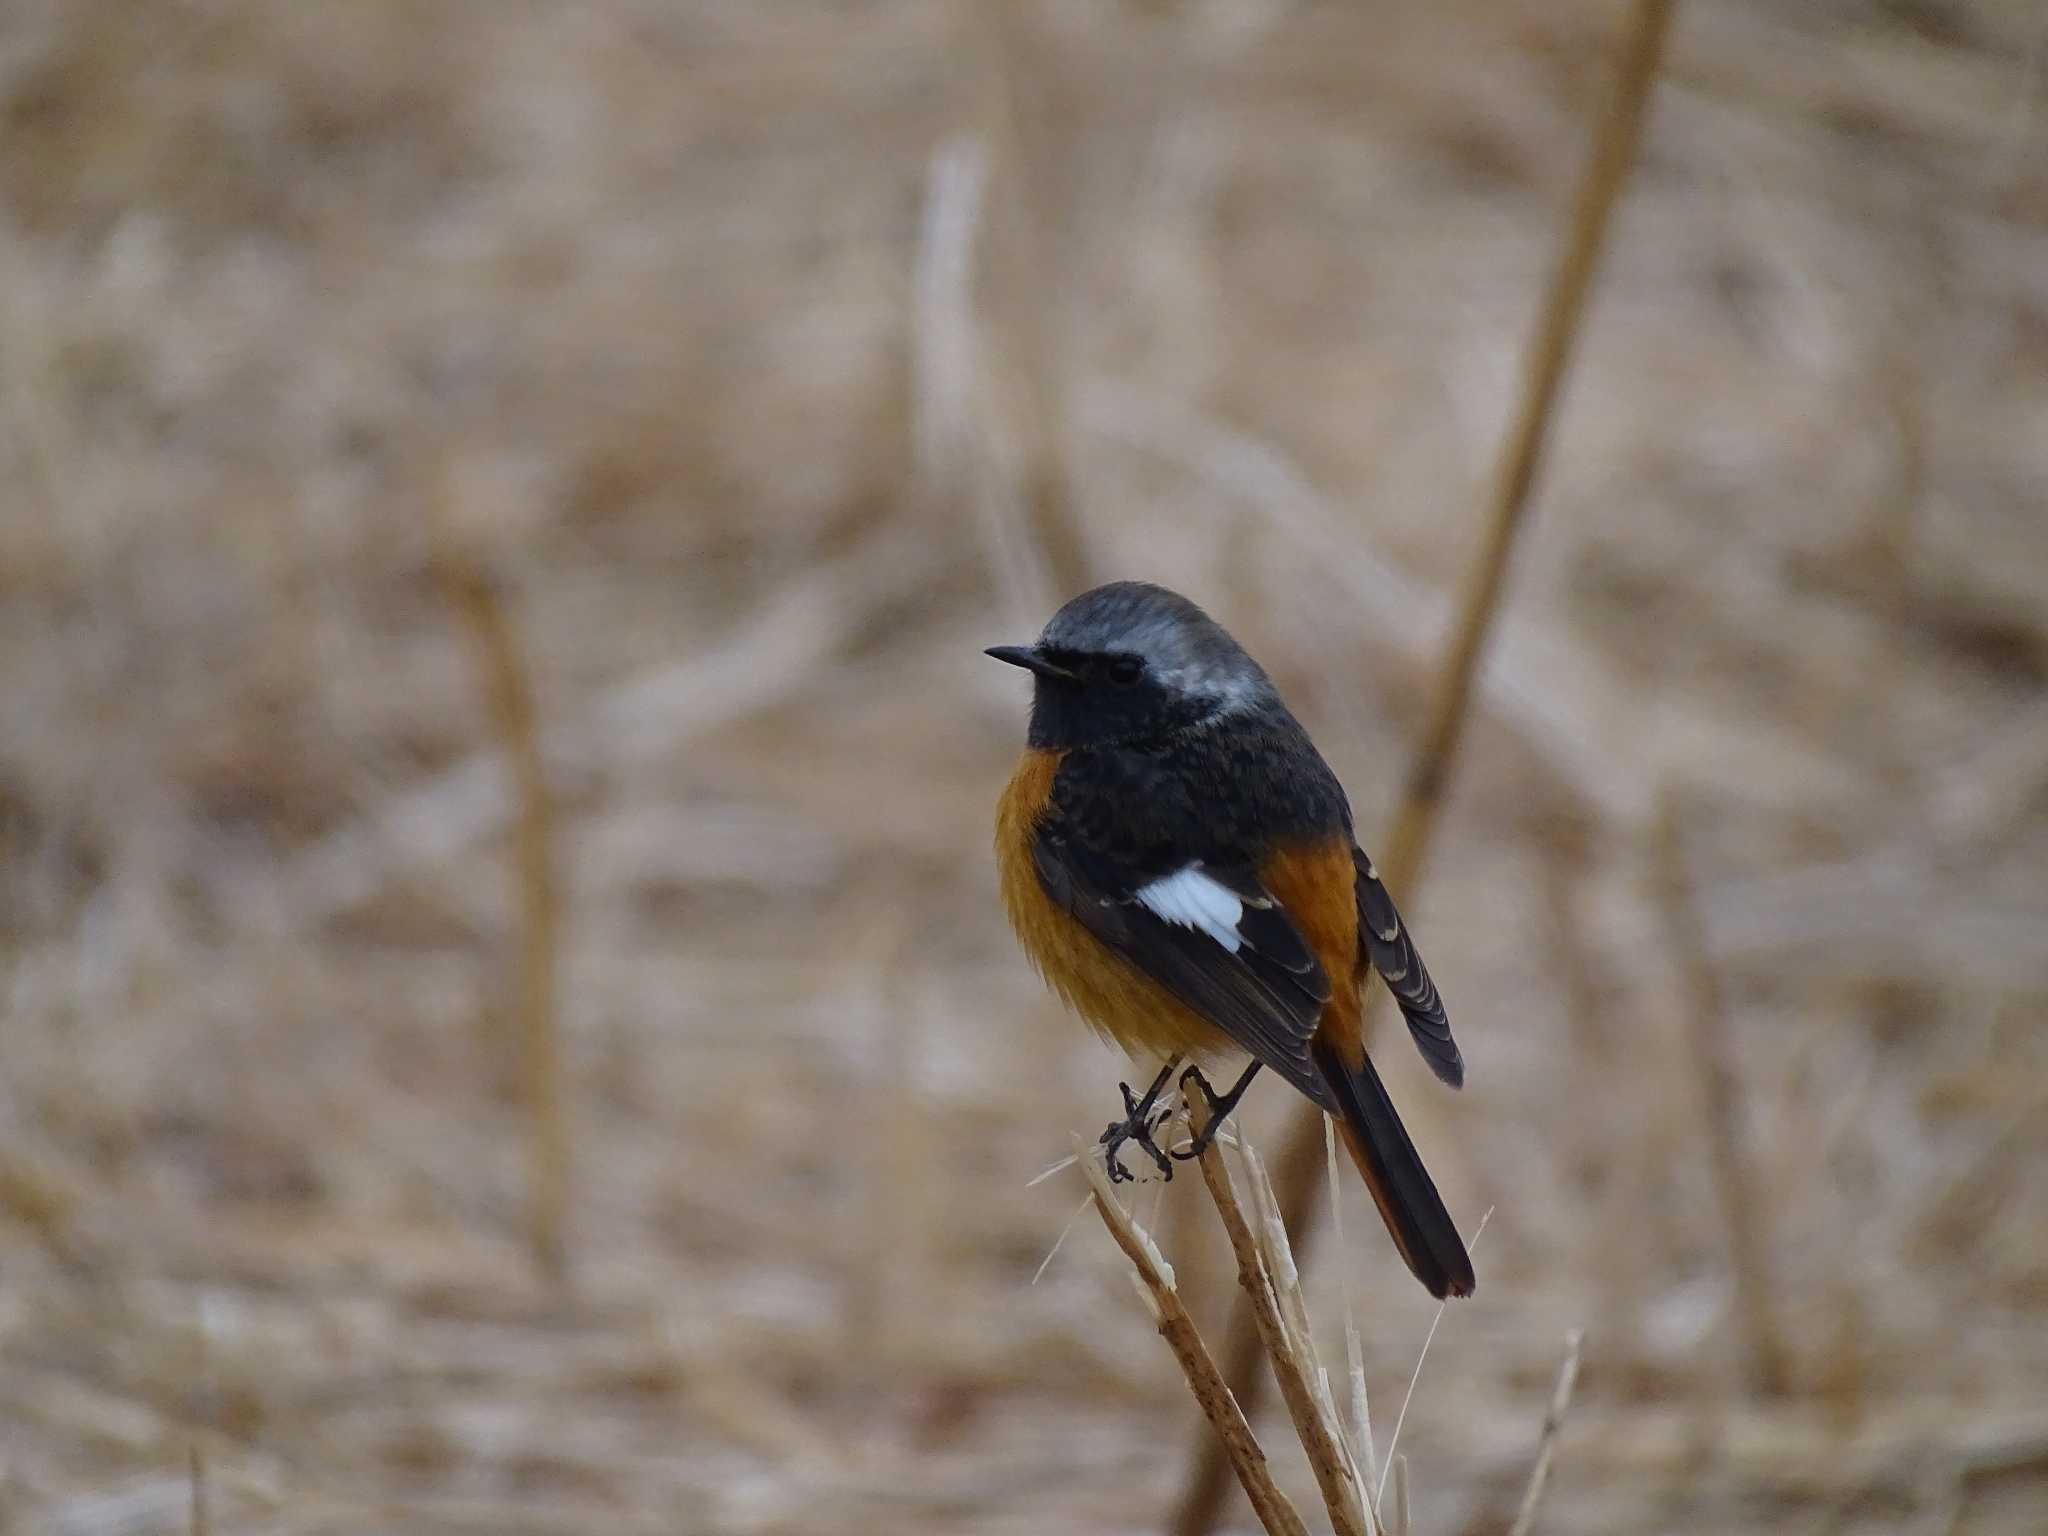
[1414, 1212]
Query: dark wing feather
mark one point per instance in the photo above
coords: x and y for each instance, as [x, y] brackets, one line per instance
[1383, 939]
[1266, 997]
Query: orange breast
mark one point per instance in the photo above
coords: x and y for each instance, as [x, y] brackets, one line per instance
[1120, 1001]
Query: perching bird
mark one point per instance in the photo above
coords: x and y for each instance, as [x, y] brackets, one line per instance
[1178, 861]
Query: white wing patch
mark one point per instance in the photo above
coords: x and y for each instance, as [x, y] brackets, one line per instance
[1195, 900]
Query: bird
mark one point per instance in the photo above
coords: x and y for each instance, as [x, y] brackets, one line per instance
[1178, 863]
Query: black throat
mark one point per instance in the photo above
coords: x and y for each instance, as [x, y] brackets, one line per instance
[1066, 715]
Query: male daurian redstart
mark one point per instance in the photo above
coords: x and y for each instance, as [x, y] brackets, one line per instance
[1177, 859]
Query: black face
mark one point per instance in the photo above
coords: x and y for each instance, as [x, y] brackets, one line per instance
[1085, 698]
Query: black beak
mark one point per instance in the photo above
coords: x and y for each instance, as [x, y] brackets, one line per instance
[1030, 658]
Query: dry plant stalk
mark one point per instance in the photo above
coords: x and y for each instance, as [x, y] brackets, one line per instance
[197, 1520]
[508, 695]
[1706, 1032]
[1025, 310]
[1241, 1448]
[1546, 1445]
[1614, 152]
[1293, 1365]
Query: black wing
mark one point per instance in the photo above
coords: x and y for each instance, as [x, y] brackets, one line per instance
[1383, 939]
[1267, 996]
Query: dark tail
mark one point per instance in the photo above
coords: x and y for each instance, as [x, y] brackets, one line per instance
[1409, 1204]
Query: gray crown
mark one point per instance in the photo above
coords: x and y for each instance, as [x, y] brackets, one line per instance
[1184, 649]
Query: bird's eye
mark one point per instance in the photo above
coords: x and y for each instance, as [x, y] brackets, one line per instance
[1125, 670]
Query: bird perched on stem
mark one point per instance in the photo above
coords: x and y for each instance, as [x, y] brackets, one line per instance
[1178, 862]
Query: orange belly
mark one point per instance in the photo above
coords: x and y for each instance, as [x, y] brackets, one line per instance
[1120, 1001]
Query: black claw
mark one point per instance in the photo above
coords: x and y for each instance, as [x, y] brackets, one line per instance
[1200, 1143]
[1137, 1126]
[1219, 1108]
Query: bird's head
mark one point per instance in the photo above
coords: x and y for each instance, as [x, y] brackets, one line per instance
[1131, 661]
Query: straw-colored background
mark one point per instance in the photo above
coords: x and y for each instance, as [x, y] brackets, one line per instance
[729, 342]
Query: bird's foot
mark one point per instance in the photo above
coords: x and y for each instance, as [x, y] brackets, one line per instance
[1142, 1118]
[1219, 1108]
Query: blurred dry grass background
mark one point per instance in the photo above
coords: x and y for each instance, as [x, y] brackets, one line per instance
[734, 355]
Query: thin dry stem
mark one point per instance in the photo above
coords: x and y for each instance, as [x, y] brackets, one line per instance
[1279, 1257]
[1546, 1446]
[1026, 313]
[507, 687]
[1358, 1421]
[197, 1520]
[1313, 1425]
[1614, 152]
[1219, 1407]
[1735, 1183]
[1422, 1359]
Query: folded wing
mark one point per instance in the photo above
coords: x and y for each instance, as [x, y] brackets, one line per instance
[1383, 938]
[1215, 939]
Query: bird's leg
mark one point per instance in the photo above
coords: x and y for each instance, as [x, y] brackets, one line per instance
[1137, 1125]
[1218, 1108]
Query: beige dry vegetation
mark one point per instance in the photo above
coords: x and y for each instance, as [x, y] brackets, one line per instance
[728, 366]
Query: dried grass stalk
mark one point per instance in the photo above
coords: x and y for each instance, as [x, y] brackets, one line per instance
[1358, 1412]
[1294, 1364]
[1706, 1029]
[507, 687]
[1279, 1255]
[1546, 1445]
[1026, 314]
[197, 1519]
[1614, 152]
[1241, 1448]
